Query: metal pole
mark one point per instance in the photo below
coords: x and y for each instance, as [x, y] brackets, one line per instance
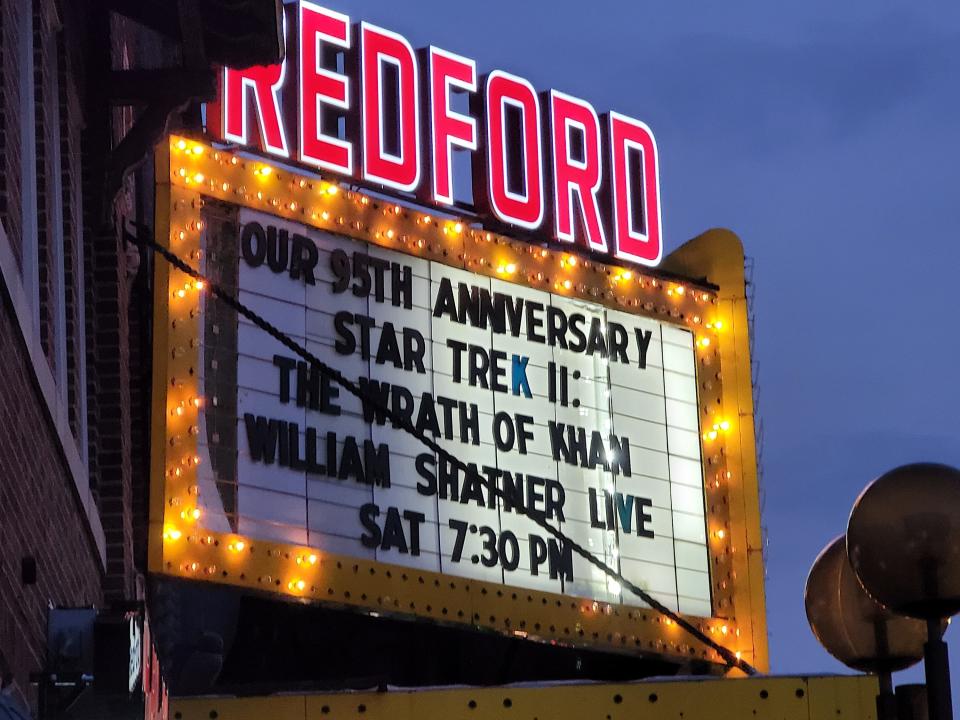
[936, 666]
[912, 702]
[886, 700]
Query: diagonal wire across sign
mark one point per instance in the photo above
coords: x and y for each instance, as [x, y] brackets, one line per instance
[729, 657]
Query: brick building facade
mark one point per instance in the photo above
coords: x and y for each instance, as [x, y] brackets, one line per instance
[74, 321]
[61, 532]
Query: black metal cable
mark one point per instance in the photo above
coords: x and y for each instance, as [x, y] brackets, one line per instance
[731, 659]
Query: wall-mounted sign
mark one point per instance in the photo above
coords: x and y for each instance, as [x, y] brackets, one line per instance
[359, 101]
[127, 666]
[590, 396]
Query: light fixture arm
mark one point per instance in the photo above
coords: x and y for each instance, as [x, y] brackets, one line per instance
[936, 664]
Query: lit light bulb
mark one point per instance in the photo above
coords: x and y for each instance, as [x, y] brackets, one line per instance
[458, 227]
[172, 534]
[181, 145]
[237, 546]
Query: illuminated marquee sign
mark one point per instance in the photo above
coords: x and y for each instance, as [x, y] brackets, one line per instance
[582, 414]
[390, 116]
[589, 394]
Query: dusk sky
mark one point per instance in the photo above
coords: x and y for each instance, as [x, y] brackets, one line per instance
[825, 134]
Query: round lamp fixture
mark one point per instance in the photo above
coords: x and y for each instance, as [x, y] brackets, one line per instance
[903, 540]
[852, 626]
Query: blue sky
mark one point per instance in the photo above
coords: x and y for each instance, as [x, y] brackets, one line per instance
[825, 135]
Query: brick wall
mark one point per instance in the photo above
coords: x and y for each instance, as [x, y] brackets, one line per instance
[47, 135]
[39, 516]
[71, 118]
[76, 129]
[11, 18]
[107, 322]
[108, 369]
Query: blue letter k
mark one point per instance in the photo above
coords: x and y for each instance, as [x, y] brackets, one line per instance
[519, 373]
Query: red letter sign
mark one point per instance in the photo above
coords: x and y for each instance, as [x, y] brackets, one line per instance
[319, 86]
[448, 128]
[631, 193]
[265, 82]
[380, 47]
[519, 208]
[573, 176]
[606, 201]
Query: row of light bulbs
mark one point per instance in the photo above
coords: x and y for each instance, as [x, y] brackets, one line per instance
[193, 152]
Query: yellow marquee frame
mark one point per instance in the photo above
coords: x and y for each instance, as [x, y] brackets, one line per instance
[788, 698]
[706, 294]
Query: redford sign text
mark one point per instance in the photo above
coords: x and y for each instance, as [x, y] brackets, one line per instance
[357, 100]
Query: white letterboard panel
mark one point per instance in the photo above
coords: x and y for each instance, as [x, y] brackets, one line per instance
[582, 415]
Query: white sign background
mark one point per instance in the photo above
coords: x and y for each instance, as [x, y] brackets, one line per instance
[655, 408]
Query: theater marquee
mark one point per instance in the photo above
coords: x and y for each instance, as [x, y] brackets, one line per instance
[590, 394]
